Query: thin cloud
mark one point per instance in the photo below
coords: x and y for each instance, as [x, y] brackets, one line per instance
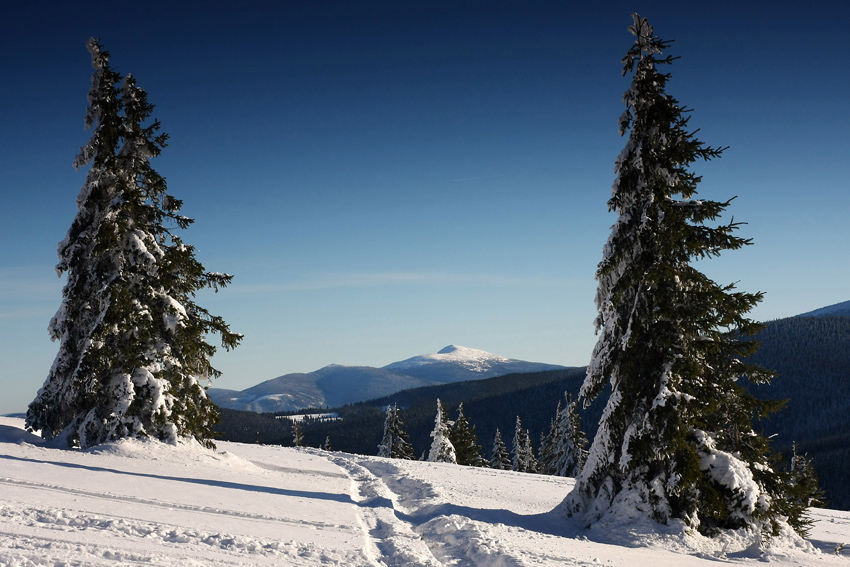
[366, 280]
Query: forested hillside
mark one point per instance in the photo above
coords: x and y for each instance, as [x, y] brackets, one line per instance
[491, 403]
[811, 356]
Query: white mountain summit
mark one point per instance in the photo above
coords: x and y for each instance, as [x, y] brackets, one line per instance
[457, 364]
[469, 358]
[336, 385]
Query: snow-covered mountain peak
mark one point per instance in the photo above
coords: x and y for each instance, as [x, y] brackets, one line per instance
[338, 384]
[457, 353]
[471, 359]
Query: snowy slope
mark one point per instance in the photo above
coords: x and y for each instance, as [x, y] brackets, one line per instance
[135, 503]
[457, 363]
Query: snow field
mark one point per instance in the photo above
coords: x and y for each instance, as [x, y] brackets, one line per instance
[147, 503]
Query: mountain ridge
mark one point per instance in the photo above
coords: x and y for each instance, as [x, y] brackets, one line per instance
[338, 384]
[839, 309]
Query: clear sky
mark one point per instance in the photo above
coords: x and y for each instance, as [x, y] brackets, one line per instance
[387, 178]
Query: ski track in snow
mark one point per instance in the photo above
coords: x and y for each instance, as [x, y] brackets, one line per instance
[389, 540]
[170, 506]
[63, 525]
[409, 505]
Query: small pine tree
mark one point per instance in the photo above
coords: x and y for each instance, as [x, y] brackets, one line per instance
[518, 457]
[804, 492]
[529, 463]
[132, 355]
[676, 439]
[395, 443]
[442, 450]
[499, 457]
[465, 441]
[385, 448]
[805, 479]
[327, 446]
[549, 445]
[570, 453]
[543, 455]
[297, 433]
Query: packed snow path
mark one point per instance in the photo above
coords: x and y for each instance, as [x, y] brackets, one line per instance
[135, 503]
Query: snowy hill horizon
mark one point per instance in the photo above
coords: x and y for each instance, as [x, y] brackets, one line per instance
[338, 384]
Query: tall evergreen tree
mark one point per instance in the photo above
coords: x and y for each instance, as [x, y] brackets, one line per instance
[676, 438]
[465, 441]
[132, 357]
[442, 450]
[395, 443]
[499, 457]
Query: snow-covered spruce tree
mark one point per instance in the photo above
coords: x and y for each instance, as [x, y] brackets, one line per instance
[544, 455]
[385, 449]
[465, 441]
[499, 457]
[676, 438]
[132, 351]
[529, 463]
[395, 444]
[804, 491]
[518, 457]
[442, 450]
[569, 452]
[297, 433]
[549, 444]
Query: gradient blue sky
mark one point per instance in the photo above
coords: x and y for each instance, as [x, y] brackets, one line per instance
[386, 178]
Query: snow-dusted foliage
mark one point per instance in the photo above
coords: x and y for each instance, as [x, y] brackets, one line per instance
[442, 450]
[499, 457]
[676, 438]
[805, 491]
[547, 447]
[465, 441]
[132, 351]
[297, 433]
[567, 451]
[395, 443]
[529, 461]
[522, 452]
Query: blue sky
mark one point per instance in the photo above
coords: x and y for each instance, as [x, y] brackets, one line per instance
[386, 178]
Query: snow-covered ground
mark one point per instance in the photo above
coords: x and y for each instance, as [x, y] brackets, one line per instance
[146, 503]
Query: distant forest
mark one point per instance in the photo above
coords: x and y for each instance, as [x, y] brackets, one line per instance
[811, 356]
